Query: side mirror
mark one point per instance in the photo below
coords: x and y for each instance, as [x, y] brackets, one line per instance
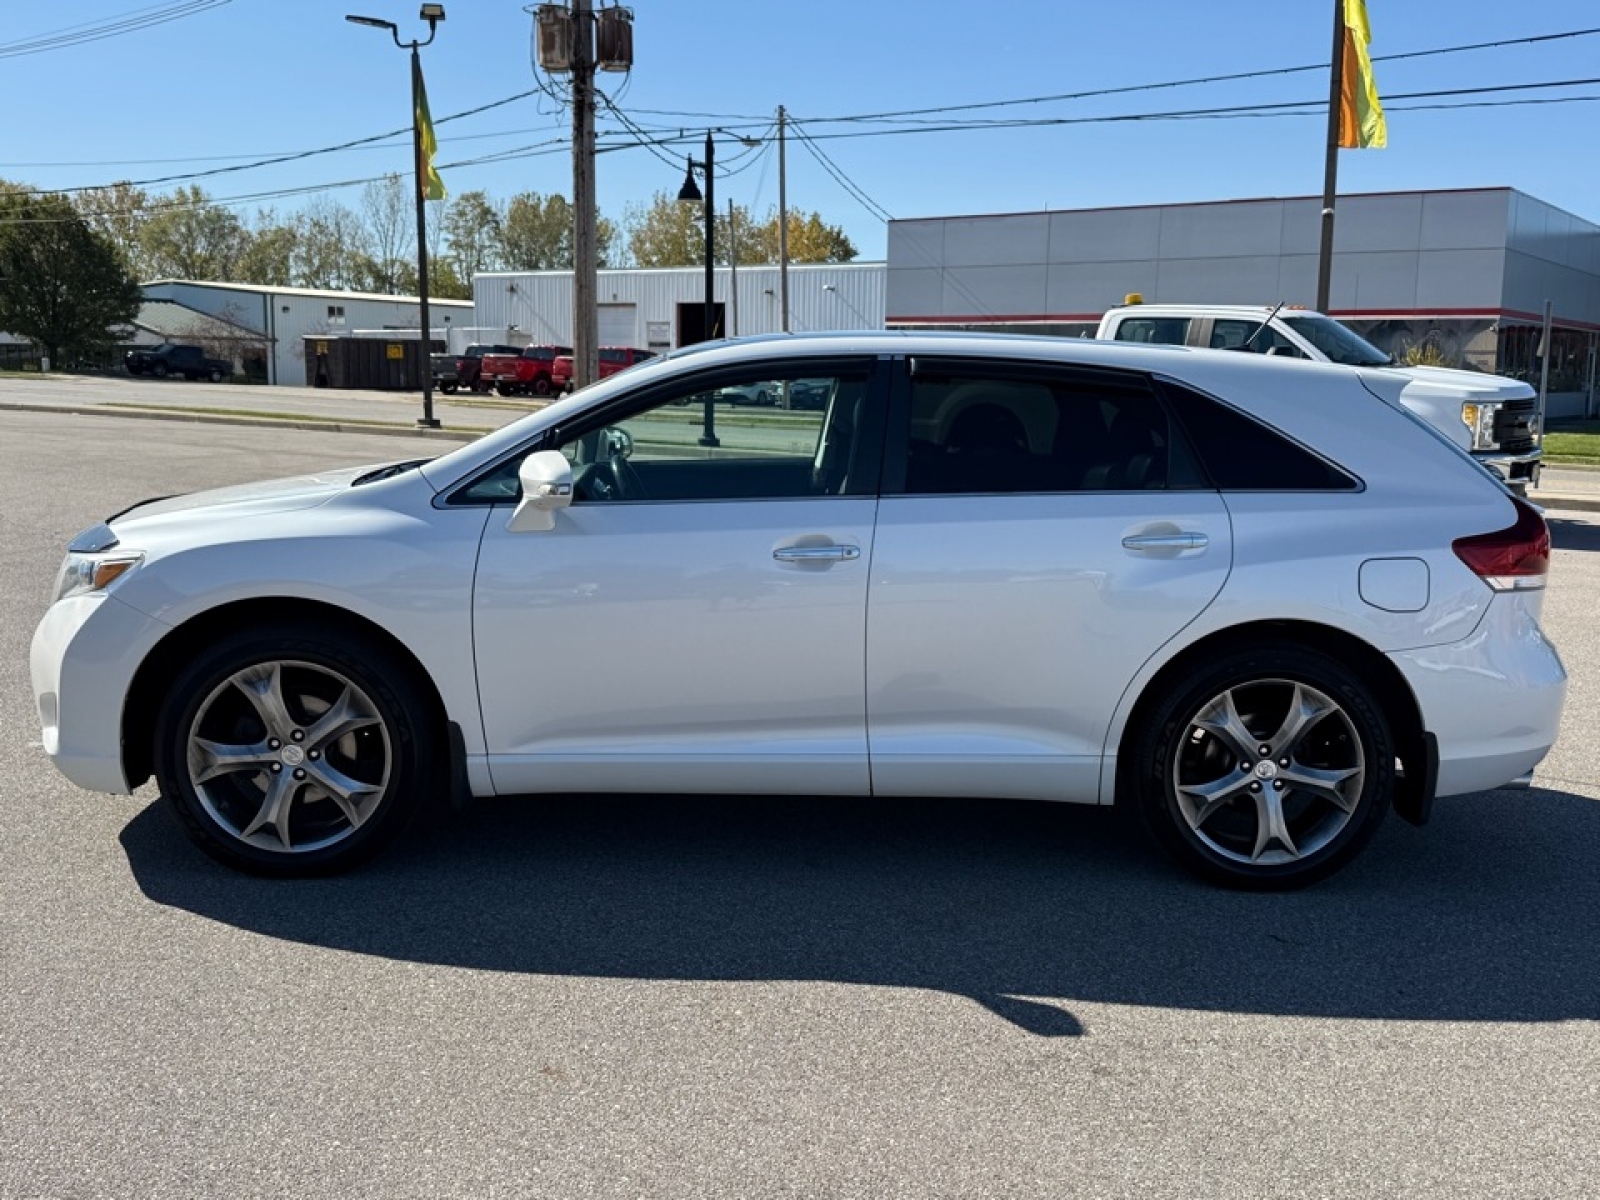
[546, 479]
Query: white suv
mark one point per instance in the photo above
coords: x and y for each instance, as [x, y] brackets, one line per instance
[983, 566]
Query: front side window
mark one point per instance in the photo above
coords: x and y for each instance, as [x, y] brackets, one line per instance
[736, 437]
[971, 432]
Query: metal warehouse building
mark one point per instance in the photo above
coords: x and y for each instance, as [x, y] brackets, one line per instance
[1462, 275]
[661, 309]
[283, 316]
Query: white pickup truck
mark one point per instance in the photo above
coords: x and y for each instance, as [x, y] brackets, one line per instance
[1493, 418]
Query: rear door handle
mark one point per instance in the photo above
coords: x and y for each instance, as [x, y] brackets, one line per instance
[804, 554]
[1146, 542]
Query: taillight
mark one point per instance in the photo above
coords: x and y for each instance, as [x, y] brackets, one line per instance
[1512, 559]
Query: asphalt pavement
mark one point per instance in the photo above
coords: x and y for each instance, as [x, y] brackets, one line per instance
[713, 997]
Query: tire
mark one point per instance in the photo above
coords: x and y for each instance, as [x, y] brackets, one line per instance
[541, 386]
[250, 715]
[215, 376]
[159, 370]
[1287, 798]
[449, 389]
[503, 388]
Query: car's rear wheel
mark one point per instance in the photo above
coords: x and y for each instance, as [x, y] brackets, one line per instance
[503, 388]
[216, 375]
[159, 370]
[541, 386]
[1267, 768]
[286, 751]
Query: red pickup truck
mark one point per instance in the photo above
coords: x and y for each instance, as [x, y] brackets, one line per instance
[612, 360]
[529, 372]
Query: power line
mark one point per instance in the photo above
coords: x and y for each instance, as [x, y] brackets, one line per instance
[89, 31]
[832, 168]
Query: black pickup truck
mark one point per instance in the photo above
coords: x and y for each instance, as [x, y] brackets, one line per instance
[170, 359]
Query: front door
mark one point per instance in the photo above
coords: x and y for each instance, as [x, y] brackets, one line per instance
[696, 620]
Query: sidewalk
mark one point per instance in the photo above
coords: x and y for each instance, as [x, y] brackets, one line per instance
[462, 416]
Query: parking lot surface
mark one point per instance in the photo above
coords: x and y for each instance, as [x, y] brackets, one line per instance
[847, 998]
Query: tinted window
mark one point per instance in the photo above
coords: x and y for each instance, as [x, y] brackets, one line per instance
[974, 432]
[759, 443]
[1239, 454]
[1164, 331]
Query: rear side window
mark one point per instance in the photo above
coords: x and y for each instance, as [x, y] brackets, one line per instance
[1161, 331]
[997, 429]
[1239, 454]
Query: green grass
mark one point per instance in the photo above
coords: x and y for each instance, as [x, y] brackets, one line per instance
[1573, 442]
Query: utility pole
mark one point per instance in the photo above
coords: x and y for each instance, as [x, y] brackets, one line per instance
[585, 259]
[783, 227]
[1330, 176]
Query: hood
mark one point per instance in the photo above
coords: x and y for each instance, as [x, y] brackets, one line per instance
[246, 499]
[1469, 384]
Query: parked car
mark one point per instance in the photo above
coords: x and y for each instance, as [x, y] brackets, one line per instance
[612, 360]
[445, 376]
[171, 359]
[1494, 418]
[1255, 600]
[469, 365]
[528, 372]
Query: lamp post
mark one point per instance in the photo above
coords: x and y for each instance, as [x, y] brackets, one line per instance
[432, 14]
[691, 194]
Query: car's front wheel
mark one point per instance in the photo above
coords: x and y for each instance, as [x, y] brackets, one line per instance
[287, 751]
[1267, 768]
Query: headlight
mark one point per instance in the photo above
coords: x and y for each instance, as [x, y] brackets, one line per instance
[82, 573]
[1479, 418]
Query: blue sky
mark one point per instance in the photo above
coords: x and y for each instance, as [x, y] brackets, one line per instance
[247, 79]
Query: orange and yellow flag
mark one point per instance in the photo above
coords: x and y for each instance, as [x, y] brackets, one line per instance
[1361, 123]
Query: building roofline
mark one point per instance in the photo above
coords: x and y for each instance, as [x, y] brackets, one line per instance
[1050, 212]
[262, 289]
[693, 268]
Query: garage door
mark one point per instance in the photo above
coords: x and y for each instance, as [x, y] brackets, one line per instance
[619, 325]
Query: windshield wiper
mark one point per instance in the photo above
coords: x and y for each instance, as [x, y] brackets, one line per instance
[388, 472]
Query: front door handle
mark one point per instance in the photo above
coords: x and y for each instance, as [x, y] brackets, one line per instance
[1146, 542]
[808, 554]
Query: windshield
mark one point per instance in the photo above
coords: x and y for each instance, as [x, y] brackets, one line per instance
[1337, 342]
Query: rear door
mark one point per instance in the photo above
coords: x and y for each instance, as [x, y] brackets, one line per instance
[1043, 531]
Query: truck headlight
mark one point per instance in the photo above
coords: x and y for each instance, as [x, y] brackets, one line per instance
[82, 573]
[1478, 417]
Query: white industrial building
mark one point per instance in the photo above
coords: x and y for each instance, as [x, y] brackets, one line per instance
[662, 308]
[1462, 274]
[284, 316]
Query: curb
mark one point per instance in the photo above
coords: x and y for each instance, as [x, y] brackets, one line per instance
[463, 433]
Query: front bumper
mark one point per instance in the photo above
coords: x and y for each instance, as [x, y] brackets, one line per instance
[84, 655]
[1514, 468]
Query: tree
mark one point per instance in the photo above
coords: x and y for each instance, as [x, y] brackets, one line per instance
[326, 234]
[119, 212]
[811, 240]
[189, 237]
[668, 233]
[536, 234]
[268, 255]
[62, 285]
[472, 228]
[389, 229]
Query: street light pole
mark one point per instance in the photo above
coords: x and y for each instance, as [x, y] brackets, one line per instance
[432, 14]
[689, 192]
